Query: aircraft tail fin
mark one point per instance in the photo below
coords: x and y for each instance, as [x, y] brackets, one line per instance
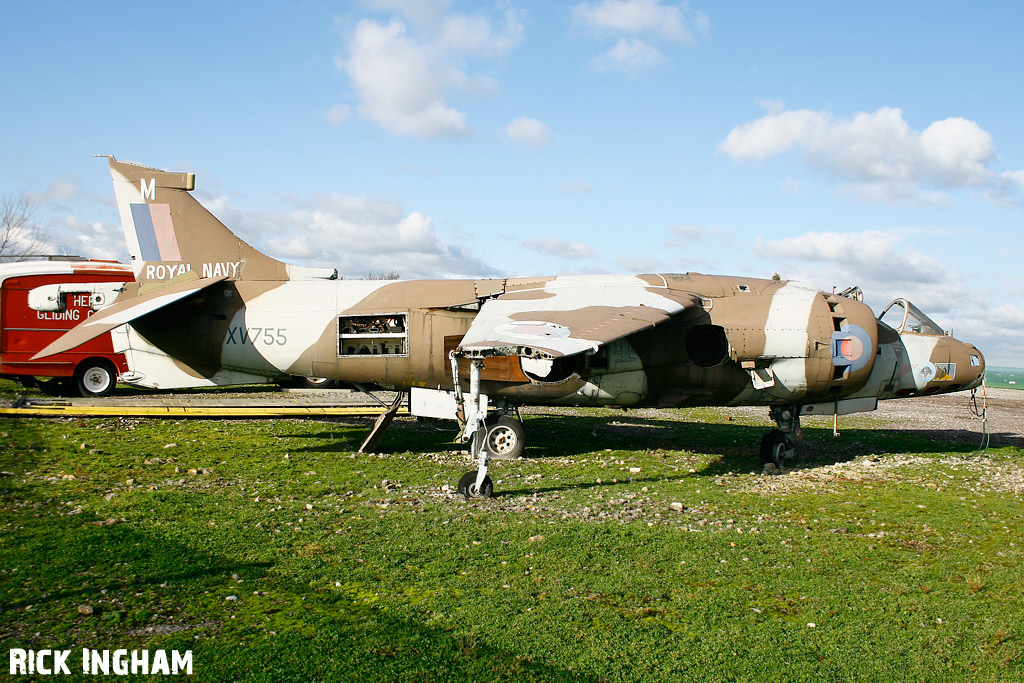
[171, 235]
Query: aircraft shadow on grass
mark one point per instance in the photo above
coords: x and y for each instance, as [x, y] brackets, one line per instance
[735, 446]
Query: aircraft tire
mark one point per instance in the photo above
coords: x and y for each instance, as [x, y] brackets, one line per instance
[506, 437]
[314, 383]
[94, 378]
[467, 486]
[775, 448]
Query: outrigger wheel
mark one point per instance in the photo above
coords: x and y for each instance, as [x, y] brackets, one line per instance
[776, 446]
[468, 488]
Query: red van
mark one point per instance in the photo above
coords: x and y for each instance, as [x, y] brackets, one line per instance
[39, 302]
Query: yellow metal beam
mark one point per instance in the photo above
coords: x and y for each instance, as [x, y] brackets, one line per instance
[189, 411]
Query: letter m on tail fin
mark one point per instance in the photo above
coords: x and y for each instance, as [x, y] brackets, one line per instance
[149, 189]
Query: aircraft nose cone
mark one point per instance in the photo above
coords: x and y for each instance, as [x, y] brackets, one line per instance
[974, 365]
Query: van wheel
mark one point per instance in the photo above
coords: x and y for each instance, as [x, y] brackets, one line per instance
[95, 378]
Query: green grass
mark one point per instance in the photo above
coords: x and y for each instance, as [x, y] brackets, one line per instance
[904, 553]
[1005, 378]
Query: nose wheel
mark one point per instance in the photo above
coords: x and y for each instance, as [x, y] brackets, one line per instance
[779, 444]
[776, 446]
[469, 488]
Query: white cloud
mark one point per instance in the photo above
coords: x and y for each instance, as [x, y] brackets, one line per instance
[642, 265]
[1015, 178]
[64, 194]
[63, 189]
[683, 234]
[404, 78]
[905, 262]
[876, 153]
[772, 134]
[631, 20]
[27, 239]
[993, 329]
[400, 88]
[909, 263]
[415, 170]
[419, 11]
[62, 232]
[673, 22]
[628, 54]
[875, 254]
[96, 240]
[561, 248]
[220, 206]
[687, 235]
[473, 35]
[1008, 187]
[357, 236]
[338, 114]
[529, 132]
[575, 187]
[69, 235]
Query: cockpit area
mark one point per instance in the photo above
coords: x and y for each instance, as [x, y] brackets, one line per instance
[906, 318]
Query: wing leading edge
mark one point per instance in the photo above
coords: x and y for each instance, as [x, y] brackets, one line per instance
[128, 307]
[569, 315]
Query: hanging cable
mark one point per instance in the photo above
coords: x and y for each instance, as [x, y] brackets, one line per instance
[982, 413]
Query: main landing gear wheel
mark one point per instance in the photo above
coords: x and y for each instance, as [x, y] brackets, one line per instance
[506, 438]
[468, 488]
[776, 446]
[94, 378]
[313, 382]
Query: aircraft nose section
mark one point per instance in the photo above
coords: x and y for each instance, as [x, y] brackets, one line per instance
[972, 360]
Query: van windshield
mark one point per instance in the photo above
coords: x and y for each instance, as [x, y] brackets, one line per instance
[905, 317]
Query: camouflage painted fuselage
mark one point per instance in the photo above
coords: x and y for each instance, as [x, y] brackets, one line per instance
[218, 309]
[745, 342]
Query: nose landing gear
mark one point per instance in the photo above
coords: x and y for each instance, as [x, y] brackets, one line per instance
[469, 487]
[779, 444]
[776, 446]
[479, 434]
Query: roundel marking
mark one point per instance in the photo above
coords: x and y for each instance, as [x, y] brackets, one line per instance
[851, 346]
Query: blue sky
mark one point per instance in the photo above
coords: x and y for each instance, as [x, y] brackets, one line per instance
[876, 144]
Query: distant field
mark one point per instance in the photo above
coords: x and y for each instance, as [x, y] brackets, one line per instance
[1007, 378]
[630, 546]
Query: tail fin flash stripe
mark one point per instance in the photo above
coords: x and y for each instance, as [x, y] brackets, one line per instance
[155, 231]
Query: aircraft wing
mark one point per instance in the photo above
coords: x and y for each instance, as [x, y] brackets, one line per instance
[126, 309]
[570, 315]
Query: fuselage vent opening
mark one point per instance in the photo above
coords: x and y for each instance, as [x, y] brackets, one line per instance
[707, 346]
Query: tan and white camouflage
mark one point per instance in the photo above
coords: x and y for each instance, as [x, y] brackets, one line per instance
[216, 305]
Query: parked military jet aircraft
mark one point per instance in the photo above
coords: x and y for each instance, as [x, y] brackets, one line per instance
[214, 303]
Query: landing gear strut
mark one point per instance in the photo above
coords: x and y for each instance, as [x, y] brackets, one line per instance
[779, 444]
[475, 484]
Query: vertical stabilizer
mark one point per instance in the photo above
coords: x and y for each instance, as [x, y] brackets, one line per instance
[171, 235]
